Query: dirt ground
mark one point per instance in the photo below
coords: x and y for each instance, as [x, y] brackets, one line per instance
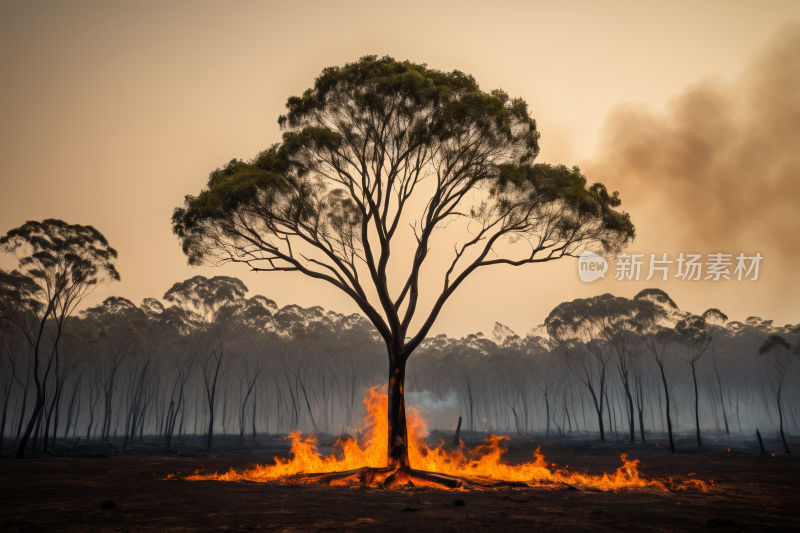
[50, 493]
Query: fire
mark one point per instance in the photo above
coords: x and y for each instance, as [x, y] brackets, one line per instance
[482, 466]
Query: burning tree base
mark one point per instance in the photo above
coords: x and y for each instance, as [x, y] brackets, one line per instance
[437, 468]
[387, 478]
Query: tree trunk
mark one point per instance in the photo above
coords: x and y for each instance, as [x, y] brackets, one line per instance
[719, 383]
[56, 414]
[547, 407]
[780, 417]
[3, 419]
[641, 426]
[35, 442]
[70, 409]
[182, 425]
[398, 430]
[22, 413]
[696, 407]
[210, 425]
[170, 424]
[471, 414]
[255, 400]
[48, 418]
[612, 421]
[599, 409]
[600, 424]
[242, 423]
[632, 417]
[457, 438]
[89, 428]
[224, 408]
[669, 420]
[31, 423]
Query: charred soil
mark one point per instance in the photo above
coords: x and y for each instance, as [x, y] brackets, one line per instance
[53, 493]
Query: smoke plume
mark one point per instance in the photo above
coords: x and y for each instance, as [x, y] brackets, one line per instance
[719, 168]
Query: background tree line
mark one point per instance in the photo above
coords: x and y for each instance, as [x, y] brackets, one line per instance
[207, 360]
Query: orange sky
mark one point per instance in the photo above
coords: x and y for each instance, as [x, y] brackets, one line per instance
[112, 113]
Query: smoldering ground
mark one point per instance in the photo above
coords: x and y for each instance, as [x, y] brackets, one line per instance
[753, 493]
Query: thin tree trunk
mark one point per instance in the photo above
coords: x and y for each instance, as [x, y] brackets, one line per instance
[210, 428]
[38, 427]
[5, 412]
[22, 413]
[719, 382]
[669, 420]
[255, 401]
[780, 417]
[630, 408]
[696, 407]
[547, 407]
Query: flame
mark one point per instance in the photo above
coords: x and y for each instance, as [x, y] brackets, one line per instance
[481, 465]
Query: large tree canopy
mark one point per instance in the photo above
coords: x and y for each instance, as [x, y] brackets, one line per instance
[59, 264]
[356, 147]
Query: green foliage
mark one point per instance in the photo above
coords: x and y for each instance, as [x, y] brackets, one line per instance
[204, 295]
[714, 315]
[152, 308]
[18, 291]
[693, 329]
[657, 296]
[378, 87]
[774, 343]
[429, 107]
[354, 148]
[531, 188]
[59, 264]
[568, 319]
[77, 252]
[116, 318]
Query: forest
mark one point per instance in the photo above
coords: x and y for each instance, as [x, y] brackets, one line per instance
[208, 360]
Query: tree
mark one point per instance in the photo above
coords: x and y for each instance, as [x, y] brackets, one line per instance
[778, 355]
[212, 311]
[329, 200]
[60, 264]
[118, 327]
[14, 343]
[693, 332]
[580, 331]
[256, 317]
[544, 385]
[622, 335]
[7, 377]
[654, 323]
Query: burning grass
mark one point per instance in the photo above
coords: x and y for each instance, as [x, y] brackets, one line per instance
[481, 467]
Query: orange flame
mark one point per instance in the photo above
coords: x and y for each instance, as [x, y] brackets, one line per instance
[481, 465]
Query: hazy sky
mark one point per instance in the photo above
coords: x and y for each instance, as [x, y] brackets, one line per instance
[112, 112]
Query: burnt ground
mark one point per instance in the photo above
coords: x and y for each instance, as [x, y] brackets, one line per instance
[53, 493]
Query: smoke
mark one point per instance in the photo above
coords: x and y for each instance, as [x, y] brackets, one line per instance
[719, 168]
[428, 404]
